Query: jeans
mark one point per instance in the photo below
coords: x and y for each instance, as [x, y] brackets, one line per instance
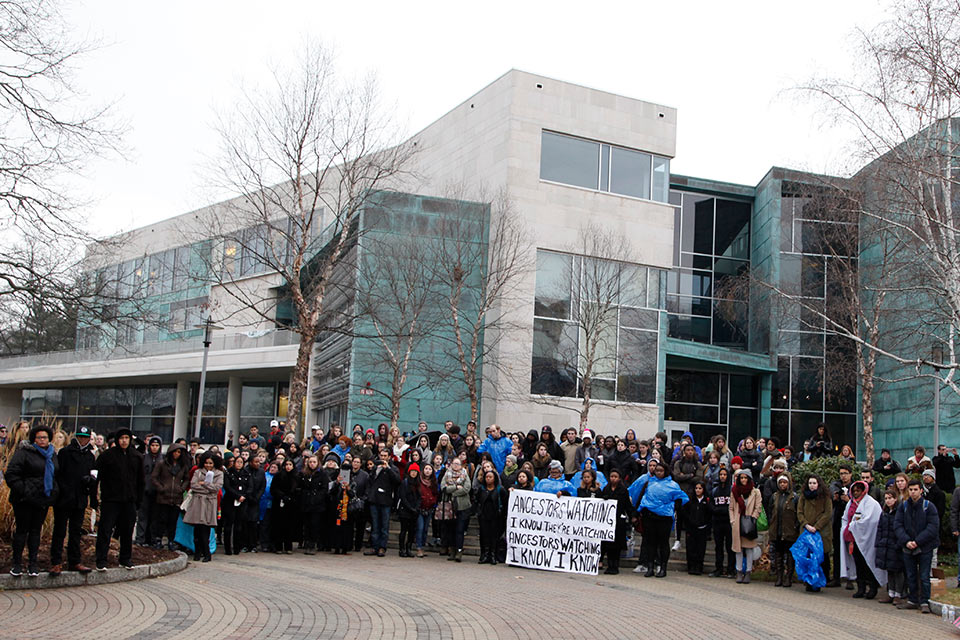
[423, 524]
[379, 525]
[64, 520]
[918, 576]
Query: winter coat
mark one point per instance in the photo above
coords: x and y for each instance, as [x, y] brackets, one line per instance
[584, 452]
[76, 485]
[752, 504]
[252, 507]
[935, 494]
[314, 491]
[460, 492]
[752, 462]
[685, 472]
[25, 474]
[171, 479]
[284, 490]
[819, 448]
[120, 474]
[955, 510]
[782, 517]
[944, 466]
[889, 468]
[492, 504]
[697, 514]
[529, 444]
[360, 483]
[817, 512]
[409, 498]
[149, 462]
[383, 483]
[236, 484]
[569, 456]
[203, 506]
[919, 522]
[889, 552]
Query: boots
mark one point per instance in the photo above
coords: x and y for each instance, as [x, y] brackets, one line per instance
[746, 578]
[453, 555]
[871, 592]
[778, 570]
[459, 556]
[788, 572]
[739, 577]
[483, 556]
[492, 558]
[861, 589]
[662, 571]
[650, 571]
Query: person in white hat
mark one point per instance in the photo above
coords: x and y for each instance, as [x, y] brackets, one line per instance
[586, 450]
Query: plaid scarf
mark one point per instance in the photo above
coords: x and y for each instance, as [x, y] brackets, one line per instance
[342, 508]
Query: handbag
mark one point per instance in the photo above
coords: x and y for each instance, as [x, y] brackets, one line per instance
[762, 524]
[445, 510]
[185, 504]
[748, 527]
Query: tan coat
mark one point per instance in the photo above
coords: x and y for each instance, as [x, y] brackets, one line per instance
[752, 503]
[203, 505]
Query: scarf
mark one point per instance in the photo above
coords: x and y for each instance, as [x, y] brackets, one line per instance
[810, 494]
[342, 508]
[739, 491]
[508, 470]
[47, 468]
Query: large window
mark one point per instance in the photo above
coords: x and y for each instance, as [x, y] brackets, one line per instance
[708, 403]
[711, 253]
[611, 304]
[594, 165]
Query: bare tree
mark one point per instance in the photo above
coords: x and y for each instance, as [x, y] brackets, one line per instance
[398, 309]
[603, 282]
[478, 282]
[306, 154]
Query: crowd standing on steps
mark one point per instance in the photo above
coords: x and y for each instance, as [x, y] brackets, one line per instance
[338, 492]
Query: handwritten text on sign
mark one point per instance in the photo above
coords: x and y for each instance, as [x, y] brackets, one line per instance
[558, 534]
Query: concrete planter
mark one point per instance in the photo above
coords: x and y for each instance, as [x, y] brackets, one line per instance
[74, 579]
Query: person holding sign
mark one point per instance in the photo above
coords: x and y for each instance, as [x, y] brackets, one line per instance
[615, 490]
[658, 497]
[554, 482]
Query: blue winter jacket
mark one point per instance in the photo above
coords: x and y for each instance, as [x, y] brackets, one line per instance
[498, 449]
[340, 450]
[660, 496]
[889, 552]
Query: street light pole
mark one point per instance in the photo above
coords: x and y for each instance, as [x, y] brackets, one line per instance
[208, 329]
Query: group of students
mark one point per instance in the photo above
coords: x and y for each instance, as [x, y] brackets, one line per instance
[268, 493]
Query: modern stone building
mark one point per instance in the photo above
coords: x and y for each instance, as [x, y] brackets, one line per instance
[569, 159]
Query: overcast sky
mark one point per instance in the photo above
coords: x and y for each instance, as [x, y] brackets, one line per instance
[725, 66]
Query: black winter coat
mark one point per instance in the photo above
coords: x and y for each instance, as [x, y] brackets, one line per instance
[409, 498]
[251, 508]
[237, 484]
[939, 499]
[752, 461]
[919, 522]
[697, 514]
[77, 486]
[284, 489]
[314, 491]
[149, 462]
[492, 504]
[382, 485]
[889, 553]
[25, 477]
[720, 502]
[120, 475]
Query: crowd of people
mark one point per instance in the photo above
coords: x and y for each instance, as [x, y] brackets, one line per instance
[337, 492]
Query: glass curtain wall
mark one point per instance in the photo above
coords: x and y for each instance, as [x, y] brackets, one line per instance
[710, 403]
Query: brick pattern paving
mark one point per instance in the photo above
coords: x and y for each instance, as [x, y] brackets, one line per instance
[326, 596]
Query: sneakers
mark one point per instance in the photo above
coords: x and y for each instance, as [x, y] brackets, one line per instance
[33, 571]
[55, 571]
[370, 552]
[640, 569]
[16, 571]
[908, 605]
[381, 553]
[128, 565]
[101, 568]
[925, 608]
[676, 546]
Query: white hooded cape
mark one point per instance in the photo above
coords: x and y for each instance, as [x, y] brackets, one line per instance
[864, 530]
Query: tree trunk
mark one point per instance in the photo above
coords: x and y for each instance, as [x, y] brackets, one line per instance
[868, 364]
[298, 383]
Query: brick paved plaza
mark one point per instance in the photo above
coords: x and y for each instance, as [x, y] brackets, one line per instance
[326, 596]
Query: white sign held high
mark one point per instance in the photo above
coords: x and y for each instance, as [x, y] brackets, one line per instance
[558, 534]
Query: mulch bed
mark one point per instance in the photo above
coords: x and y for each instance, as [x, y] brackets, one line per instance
[140, 555]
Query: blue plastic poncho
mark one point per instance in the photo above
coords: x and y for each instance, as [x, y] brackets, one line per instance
[549, 485]
[660, 496]
[807, 557]
[601, 479]
[498, 448]
[636, 487]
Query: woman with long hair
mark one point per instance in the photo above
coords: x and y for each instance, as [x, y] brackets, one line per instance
[445, 449]
[744, 501]
[409, 508]
[492, 501]
[456, 488]
[815, 514]
[429, 493]
[541, 460]
[313, 486]
[616, 490]
[283, 517]
[205, 485]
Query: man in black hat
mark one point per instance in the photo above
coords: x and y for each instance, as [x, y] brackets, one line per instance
[77, 486]
[120, 474]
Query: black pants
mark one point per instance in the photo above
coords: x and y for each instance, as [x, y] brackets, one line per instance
[489, 534]
[165, 522]
[119, 515]
[722, 538]
[866, 581]
[656, 538]
[29, 519]
[64, 520]
[145, 516]
[234, 532]
[341, 536]
[696, 548]
[313, 529]
[283, 528]
[408, 527]
[264, 531]
[201, 540]
[359, 528]
[836, 547]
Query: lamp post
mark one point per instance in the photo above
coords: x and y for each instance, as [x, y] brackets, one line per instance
[208, 329]
[937, 354]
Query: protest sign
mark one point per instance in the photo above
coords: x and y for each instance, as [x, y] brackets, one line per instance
[558, 533]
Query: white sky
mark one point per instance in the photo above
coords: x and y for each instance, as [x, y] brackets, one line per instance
[723, 65]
